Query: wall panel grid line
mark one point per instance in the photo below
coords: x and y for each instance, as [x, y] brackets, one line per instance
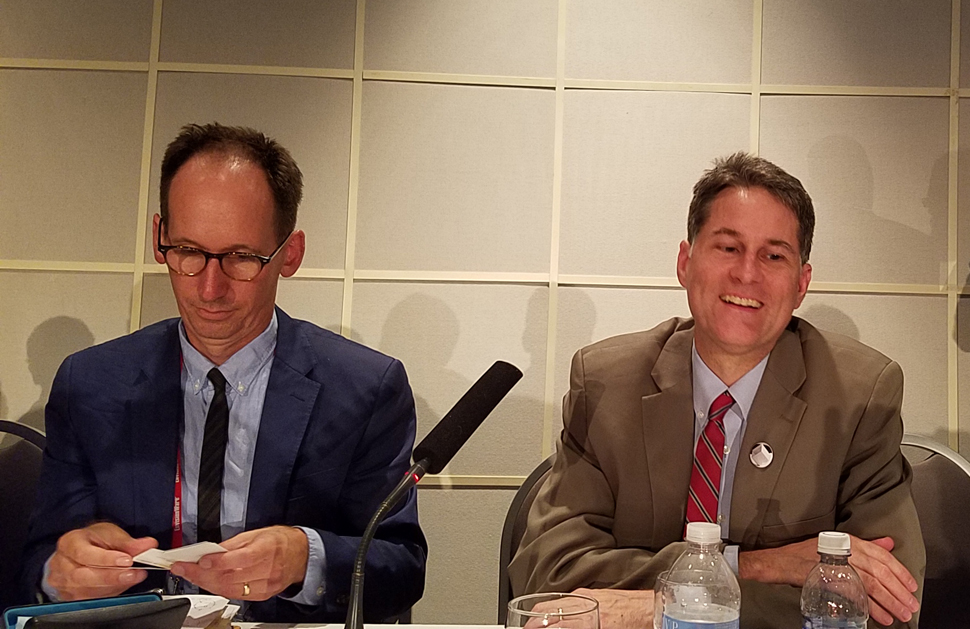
[350, 242]
[552, 314]
[510, 279]
[953, 349]
[214, 68]
[74, 64]
[754, 128]
[134, 320]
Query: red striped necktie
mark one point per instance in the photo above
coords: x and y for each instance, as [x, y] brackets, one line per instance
[705, 479]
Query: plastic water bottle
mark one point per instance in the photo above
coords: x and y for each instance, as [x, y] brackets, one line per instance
[701, 591]
[833, 595]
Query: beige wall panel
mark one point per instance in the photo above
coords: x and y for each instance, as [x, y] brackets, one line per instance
[875, 168]
[46, 317]
[963, 194]
[963, 371]
[500, 37]
[630, 160]
[863, 42]
[106, 30]
[308, 116]
[464, 531]
[911, 331]
[70, 144]
[157, 300]
[587, 315]
[305, 33]
[455, 178]
[447, 336]
[314, 300]
[653, 40]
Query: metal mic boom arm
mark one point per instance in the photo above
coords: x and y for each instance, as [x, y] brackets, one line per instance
[355, 608]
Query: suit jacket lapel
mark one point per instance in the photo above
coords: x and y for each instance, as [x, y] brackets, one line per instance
[155, 416]
[774, 418]
[290, 398]
[668, 430]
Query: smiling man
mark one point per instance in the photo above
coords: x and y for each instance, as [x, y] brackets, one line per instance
[233, 424]
[743, 415]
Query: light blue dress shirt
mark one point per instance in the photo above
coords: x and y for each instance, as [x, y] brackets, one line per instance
[707, 386]
[247, 376]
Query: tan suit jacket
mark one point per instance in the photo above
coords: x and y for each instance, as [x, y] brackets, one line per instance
[612, 512]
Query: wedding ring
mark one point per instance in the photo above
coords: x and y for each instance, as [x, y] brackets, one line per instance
[245, 589]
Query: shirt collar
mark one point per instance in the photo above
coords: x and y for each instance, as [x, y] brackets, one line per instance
[241, 368]
[707, 386]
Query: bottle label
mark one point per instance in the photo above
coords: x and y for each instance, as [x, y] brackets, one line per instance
[731, 622]
[832, 623]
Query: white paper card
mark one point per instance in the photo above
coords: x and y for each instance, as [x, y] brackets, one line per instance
[204, 610]
[190, 554]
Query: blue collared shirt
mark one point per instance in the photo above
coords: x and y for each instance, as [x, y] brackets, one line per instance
[247, 376]
[707, 386]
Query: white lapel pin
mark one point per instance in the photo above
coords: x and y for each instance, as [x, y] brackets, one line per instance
[761, 455]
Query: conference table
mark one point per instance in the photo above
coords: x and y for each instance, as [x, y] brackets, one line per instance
[266, 625]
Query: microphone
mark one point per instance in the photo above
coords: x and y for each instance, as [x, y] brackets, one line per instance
[431, 456]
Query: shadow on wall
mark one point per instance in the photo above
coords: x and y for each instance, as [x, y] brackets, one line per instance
[830, 319]
[878, 241]
[961, 331]
[47, 346]
[580, 311]
[425, 350]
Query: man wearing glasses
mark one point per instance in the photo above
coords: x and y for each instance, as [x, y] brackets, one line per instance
[233, 424]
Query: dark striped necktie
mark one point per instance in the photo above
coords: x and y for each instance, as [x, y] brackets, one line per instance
[705, 478]
[213, 461]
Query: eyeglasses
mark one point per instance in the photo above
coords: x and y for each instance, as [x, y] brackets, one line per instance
[236, 265]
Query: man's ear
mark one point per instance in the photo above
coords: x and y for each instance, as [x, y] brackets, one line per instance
[156, 225]
[683, 259]
[804, 279]
[293, 253]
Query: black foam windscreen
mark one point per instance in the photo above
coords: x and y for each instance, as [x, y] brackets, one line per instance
[455, 428]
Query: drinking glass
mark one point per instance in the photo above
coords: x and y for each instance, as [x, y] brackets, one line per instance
[544, 611]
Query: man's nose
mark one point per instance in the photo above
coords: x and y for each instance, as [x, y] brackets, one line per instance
[748, 268]
[213, 282]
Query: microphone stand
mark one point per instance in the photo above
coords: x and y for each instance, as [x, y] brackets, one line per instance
[355, 607]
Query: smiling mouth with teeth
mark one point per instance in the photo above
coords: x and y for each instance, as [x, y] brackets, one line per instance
[741, 301]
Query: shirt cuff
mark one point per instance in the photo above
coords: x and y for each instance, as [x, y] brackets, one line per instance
[45, 586]
[316, 566]
[731, 555]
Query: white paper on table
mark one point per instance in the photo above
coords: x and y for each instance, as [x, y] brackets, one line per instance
[165, 558]
[204, 609]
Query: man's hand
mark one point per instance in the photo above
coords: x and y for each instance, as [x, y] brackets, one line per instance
[257, 565]
[888, 583]
[623, 609]
[87, 561]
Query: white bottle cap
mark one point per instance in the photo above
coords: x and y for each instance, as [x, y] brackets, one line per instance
[703, 533]
[833, 543]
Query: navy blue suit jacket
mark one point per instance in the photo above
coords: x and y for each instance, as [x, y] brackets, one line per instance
[335, 436]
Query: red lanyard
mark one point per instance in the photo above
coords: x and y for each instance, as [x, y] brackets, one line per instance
[177, 511]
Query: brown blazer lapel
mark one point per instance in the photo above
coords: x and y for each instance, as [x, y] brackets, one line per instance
[668, 434]
[774, 418]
